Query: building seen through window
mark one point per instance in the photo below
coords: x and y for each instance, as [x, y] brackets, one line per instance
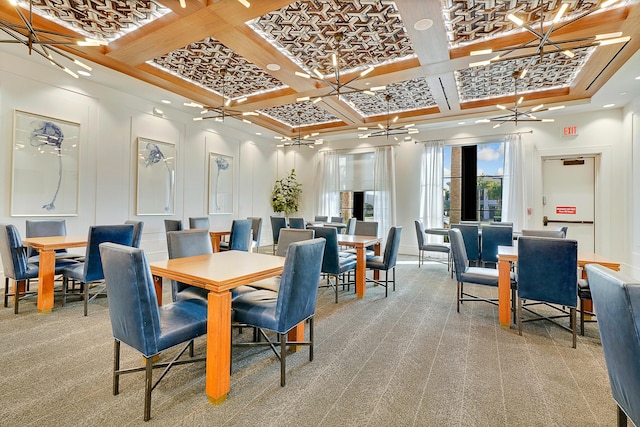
[356, 185]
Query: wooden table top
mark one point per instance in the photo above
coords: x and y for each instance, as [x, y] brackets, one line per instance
[510, 253]
[220, 271]
[55, 242]
[352, 240]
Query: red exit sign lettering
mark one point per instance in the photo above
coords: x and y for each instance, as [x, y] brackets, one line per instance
[569, 131]
[565, 210]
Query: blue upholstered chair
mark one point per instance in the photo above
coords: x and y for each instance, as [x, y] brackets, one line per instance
[554, 234]
[351, 226]
[617, 302]
[256, 230]
[294, 303]
[47, 228]
[333, 265]
[240, 238]
[337, 219]
[187, 243]
[172, 225]
[90, 271]
[548, 275]
[564, 229]
[297, 223]
[137, 321]
[277, 223]
[470, 235]
[423, 247]
[321, 218]
[365, 228]
[388, 260]
[473, 275]
[199, 222]
[137, 232]
[15, 265]
[492, 237]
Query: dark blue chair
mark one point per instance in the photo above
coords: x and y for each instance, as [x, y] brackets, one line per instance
[137, 321]
[470, 235]
[15, 265]
[90, 271]
[492, 237]
[199, 222]
[333, 265]
[423, 247]
[185, 243]
[46, 228]
[388, 260]
[617, 302]
[554, 234]
[337, 219]
[240, 238]
[365, 228]
[473, 275]
[294, 303]
[137, 232]
[277, 223]
[172, 225]
[321, 218]
[297, 223]
[548, 275]
[256, 230]
[351, 226]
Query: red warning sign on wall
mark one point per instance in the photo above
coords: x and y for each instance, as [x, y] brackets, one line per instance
[565, 210]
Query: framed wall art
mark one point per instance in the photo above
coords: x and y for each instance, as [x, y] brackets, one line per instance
[156, 181]
[44, 174]
[220, 184]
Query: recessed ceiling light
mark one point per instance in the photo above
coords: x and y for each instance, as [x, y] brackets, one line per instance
[624, 93]
[638, 78]
[258, 133]
[165, 101]
[84, 73]
[273, 67]
[423, 24]
[608, 105]
[461, 123]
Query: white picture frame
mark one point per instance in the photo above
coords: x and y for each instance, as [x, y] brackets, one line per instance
[220, 184]
[156, 177]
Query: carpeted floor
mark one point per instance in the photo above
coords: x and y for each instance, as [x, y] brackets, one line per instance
[405, 360]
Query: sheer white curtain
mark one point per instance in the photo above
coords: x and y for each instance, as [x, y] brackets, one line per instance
[513, 184]
[384, 189]
[431, 172]
[329, 194]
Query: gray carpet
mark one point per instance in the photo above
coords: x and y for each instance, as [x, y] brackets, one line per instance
[405, 360]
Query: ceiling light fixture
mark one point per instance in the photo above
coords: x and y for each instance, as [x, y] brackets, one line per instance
[390, 129]
[183, 3]
[299, 139]
[338, 87]
[44, 42]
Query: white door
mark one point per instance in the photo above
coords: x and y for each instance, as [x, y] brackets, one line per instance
[568, 198]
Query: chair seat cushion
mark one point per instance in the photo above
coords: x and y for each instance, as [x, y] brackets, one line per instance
[368, 253]
[270, 284]
[583, 289]
[436, 247]
[241, 290]
[257, 308]
[193, 293]
[74, 271]
[346, 254]
[347, 264]
[181, 322]
[483, 276]
[224, 246]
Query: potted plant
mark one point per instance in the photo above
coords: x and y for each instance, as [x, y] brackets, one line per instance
[285, 194]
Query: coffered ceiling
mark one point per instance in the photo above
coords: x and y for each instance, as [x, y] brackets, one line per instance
[212, 51]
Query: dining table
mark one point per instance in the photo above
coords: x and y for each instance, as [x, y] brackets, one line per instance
[47, 247]
[216, 237]
[219, 273]
[509, 254]
[360, 243]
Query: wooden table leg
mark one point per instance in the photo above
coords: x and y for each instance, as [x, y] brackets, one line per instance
[361, 271]
[46, 275]
[218, 347]
[296, 334]
[157, 284]
[376, 251]
[504, 293]
[215, 242]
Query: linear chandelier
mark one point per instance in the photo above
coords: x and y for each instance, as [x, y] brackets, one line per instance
[543, 38]
[389, 129]
[337, 87]
[219, 113]
[44, 42]
[515, 114]
[299, 140]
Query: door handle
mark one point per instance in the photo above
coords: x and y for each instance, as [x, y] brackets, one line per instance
[545, 220]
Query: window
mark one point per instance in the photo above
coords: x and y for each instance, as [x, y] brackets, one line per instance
[356, 185]
[472, 182]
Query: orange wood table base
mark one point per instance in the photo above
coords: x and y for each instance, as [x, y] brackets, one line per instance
[360, 243]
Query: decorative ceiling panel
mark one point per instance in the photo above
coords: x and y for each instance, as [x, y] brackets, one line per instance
[99, 19]
[555, 70]
[301, 113]
[372, 30]
[468, 21]
[408, 95]
[201, 63]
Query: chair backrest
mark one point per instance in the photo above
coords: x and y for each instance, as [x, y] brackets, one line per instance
[297, 223]
[617, 302]
[137, 232]
[392, 247]
[240, 238]
[366, 228]
[419, 233]
[337, 219]
[14, 258]
[277, 222]
[555, 234]
[458, 252]
[183, 244]
[563, 229]
[288, 236]
[172, 225]
[508, 224]
[471, 223]
[299, 283]
[133, 305]
[321, 218]
[331, 257]
[470, 236]
[121, 234]
[351, 226]
[45, 228]
[199, 222]
[548, 270]
[492, 237]
[256, 228]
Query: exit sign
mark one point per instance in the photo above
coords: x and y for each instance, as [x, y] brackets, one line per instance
[569, 131]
